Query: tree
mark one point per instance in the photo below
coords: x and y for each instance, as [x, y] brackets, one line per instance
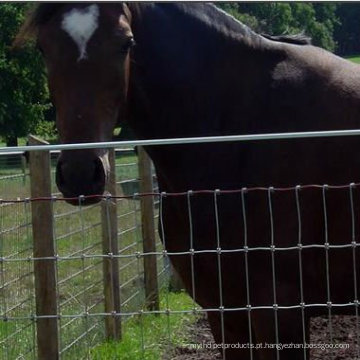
[315, 20]
[318, 21]
[23, 90]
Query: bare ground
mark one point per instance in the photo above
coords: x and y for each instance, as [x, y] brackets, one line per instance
[343, 332]
[199, 333]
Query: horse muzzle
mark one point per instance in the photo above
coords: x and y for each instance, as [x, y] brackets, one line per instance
[81, 176]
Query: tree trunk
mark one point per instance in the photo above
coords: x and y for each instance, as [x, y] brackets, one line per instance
[9, 159]
[12, 141]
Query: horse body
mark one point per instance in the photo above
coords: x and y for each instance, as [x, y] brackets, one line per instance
[197, 72]
[255, 87]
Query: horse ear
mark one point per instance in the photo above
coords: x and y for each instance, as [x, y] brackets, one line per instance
[126, 133]
[127, 11]
[36, 16]
[122, 120]
[27, 32]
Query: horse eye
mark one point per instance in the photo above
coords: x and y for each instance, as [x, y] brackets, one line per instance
[128, 45]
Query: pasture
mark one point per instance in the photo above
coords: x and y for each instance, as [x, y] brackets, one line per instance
[354, 58]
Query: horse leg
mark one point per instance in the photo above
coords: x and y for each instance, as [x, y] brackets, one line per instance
[233, 332]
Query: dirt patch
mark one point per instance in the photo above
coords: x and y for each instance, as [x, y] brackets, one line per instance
[198, 333]
[343, 332]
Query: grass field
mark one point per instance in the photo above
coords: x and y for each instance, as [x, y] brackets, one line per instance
[150, 336]
[354, 58]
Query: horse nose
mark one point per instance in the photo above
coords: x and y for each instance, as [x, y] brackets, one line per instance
[79, 175]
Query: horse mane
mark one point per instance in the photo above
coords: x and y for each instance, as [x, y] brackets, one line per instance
[237, 26]
[208, 12]
[229, 21]
[40, 14]
[297, 39]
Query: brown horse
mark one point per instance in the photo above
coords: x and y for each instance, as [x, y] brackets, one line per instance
[196, 71]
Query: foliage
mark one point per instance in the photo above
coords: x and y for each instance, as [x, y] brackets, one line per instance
[45, 129]
[23, 90]
[333, 26]
[315, 20]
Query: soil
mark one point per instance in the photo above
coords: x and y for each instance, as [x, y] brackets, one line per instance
[343, 331]
[199, 333]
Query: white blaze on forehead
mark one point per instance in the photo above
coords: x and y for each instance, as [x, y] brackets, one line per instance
[81, 24]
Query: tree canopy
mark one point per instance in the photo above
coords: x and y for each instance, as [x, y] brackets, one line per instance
[23, 90]
[317, 20]
[334, 26]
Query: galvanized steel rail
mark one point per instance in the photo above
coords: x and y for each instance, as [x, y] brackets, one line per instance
[190, 140]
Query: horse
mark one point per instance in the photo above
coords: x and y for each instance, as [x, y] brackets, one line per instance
[189, 69]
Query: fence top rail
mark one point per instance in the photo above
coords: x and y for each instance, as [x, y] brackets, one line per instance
[29, 148]
[191, 140]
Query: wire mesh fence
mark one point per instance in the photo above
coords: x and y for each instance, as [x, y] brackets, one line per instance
[321, 265]
[77, 234]
[14, 175]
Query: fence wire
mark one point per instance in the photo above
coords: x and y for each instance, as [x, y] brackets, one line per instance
[77, 234]
[79, 261]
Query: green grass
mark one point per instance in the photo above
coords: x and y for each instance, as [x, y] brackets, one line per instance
[148, 337]
[353, 58]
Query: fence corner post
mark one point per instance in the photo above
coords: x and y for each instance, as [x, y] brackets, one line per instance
[43, 245]
[148, 231]
[110, 247]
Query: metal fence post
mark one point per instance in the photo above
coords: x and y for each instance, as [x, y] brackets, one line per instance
[110, 247]
[43, 243]
[148, 231]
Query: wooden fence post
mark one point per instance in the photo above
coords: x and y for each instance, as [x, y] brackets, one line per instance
[148, 231]
[111, 264]
[43, 242]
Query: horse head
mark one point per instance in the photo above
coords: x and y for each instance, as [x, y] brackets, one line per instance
[86, 52]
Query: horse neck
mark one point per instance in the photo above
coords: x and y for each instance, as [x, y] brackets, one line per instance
[189, 79]
[183, 65]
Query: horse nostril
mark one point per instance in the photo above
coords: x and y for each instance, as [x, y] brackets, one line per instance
[99, 173]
